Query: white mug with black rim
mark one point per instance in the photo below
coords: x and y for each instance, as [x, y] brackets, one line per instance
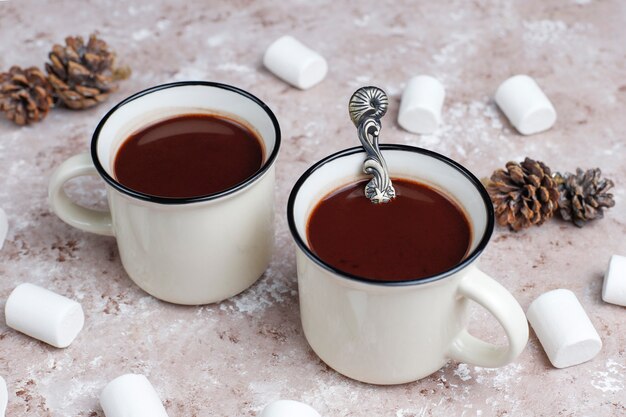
[183, 250]
[383, 332]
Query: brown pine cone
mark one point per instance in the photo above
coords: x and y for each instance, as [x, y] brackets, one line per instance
[584, 195]
[82, 75]
[25, 95]
[523, 194]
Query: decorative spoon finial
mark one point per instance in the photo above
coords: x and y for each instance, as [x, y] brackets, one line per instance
[367, 106]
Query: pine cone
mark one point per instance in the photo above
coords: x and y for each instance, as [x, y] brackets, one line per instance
[523, 194]
[25, 95]
[82, 75]
[584, 196]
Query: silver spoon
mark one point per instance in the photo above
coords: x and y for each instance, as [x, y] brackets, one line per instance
[367, 106]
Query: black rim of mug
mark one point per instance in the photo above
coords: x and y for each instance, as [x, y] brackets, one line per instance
[170, 200]
[392, 147]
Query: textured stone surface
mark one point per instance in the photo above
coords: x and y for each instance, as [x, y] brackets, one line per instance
[233, 358]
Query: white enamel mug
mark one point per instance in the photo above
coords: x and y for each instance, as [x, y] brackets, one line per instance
[183, 250]
[396, 332]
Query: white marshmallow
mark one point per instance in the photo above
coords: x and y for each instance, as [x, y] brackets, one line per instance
[295, 63]
[44, 315]
[525, 105]
[614, 288]
[563, 328]
[4, 227]
[131, 395]
[4, 397]
[420, 109]
[288, 408]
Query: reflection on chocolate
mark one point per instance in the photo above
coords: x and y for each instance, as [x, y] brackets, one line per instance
[418, 234]
[188, 156]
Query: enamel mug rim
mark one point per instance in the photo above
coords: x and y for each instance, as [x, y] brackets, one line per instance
[269, 162]
[467, 261]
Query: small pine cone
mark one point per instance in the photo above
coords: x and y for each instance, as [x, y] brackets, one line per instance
[584, 195]
[82, 75]
[523, 194]
[25, 95]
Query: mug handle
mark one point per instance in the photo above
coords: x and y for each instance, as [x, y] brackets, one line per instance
[93, 221]
[484, 290]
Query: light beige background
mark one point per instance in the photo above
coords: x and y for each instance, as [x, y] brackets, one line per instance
[233, 358]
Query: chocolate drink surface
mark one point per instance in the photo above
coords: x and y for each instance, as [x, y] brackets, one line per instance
[418, 234]
[188, 156]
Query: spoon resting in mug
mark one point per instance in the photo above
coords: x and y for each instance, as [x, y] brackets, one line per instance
[367, 105]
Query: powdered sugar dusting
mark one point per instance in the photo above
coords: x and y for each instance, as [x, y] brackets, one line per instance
[416, 412]
[190, 72]
[235, 68]
[460, 43]
[499, 377]
[612, 380]
[463, 372]
[547, 31]
[543, 31]
[216, 40]
[4, 227]
[266, 293]
[141, 34]
[467, 127]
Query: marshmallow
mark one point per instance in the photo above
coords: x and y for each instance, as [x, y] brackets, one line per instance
[131, 395]
[614, 288]
[4, 227]
[563, 328]
[295, 63]
[44, 315]
[420, 109]
[288, 408]
[4, 397]
[525, 105]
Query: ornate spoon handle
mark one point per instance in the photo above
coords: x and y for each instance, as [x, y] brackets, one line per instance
[367, 105]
